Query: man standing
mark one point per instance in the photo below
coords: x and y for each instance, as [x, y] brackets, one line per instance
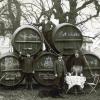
[47, 27]
[60, 72]
[77, 65]
[27, 70]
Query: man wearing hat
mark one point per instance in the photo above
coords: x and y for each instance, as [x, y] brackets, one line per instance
[60, 71]
[27, 69]
[47, 28]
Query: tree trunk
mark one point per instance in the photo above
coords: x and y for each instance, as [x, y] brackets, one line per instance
[73, 13]
[59, 14]
[15, 20]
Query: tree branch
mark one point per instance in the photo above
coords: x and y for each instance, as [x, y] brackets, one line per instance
[84, 5]
[97, 7]
[96, 15]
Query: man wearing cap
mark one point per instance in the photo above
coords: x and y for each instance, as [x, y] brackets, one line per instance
[47, 27]
[60, 71]
[27, 70]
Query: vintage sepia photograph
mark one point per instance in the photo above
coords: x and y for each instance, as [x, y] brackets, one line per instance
[49, 49]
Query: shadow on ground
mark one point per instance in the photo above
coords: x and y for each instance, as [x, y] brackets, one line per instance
[39, 93]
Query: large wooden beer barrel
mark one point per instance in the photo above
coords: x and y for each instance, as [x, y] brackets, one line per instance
[27, 39]
[10, 70]
[65, 38]
[44, 69]
[94, 65]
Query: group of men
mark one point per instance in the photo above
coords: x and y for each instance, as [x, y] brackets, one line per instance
[60, 70]
[77, 63]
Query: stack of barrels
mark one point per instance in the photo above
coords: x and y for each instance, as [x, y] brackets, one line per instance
[64, 39]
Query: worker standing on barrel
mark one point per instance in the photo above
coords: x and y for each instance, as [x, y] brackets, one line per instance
[27, 62]
[60, 72]
[47, 27]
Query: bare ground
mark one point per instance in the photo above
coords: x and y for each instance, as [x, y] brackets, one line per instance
[21, 93]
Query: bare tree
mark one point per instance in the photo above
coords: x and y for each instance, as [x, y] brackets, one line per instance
[70, 16]
[10, 15]
[14, 13]
[71, 11]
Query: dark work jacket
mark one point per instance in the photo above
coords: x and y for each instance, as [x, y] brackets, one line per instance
[78, 61]
[41, 24]
[49, 26]
[46, 27]
[28, 64]
[59, 68]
